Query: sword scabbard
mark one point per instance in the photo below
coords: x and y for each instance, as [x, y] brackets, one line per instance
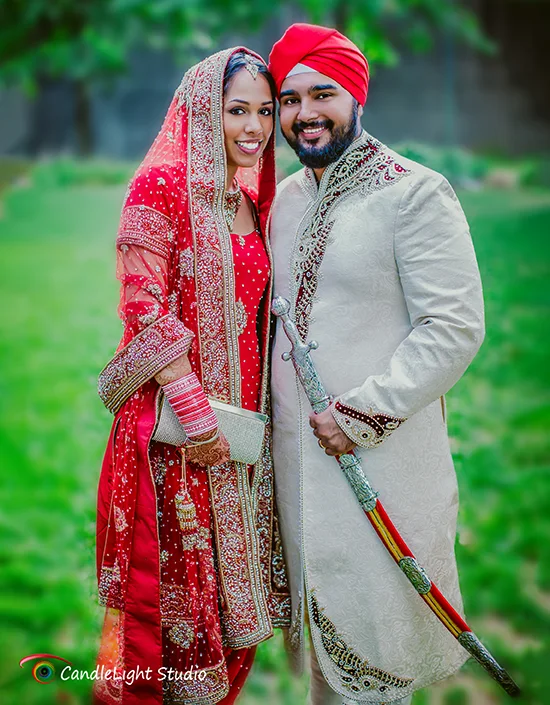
[352, 468]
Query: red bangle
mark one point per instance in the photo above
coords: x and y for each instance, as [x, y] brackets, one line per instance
[191, 405]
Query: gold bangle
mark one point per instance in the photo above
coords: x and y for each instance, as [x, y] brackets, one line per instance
[193, 444]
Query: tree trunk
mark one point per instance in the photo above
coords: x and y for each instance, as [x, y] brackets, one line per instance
[83, 119]
[341, 16]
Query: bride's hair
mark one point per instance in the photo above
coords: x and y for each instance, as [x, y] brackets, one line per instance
[239, 61]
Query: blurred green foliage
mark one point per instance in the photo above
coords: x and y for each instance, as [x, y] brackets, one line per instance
[59, 299]
[380, 28]
[13, 170]
[67, 171]
[460, 166]
[90, 42]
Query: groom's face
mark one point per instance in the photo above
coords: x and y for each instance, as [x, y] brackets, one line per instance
[319, 118]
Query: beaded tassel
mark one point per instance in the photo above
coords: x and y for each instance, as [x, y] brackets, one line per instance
[186, 512]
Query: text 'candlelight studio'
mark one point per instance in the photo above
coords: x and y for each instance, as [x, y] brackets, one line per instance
[131, 675]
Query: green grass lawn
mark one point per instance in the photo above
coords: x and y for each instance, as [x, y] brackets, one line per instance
[59, 300]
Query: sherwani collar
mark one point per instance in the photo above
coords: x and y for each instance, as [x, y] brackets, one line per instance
[314, 187]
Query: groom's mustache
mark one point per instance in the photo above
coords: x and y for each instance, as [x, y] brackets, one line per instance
[299, 125]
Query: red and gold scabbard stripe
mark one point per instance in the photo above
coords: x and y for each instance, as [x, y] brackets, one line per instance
[431, 595]
[399, 550]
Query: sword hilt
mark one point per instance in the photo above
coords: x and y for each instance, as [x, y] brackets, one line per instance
[312, 345]
[280, 307]
[301, 359]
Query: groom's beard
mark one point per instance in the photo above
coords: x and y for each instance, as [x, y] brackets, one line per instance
[319, 157]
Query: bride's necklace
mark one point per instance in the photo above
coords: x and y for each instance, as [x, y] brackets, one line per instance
[232, 203]
[233, 200]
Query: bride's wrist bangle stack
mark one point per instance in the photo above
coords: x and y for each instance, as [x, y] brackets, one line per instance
[191, 406]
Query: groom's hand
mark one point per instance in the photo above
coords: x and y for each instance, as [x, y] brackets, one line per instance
[334, 441]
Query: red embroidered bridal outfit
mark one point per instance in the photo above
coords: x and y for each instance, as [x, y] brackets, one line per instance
[190, 566]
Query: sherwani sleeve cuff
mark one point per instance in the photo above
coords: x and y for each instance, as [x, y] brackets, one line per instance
[147, 354]
[366, 428]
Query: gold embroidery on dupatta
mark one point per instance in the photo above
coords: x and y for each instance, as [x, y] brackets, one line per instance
[242, 573]
[109, 586]
[187, 263]
[219, 348]
[271, 550]
[211, 689]
[145, 227]
[109, 689]
[176, 611]
[263, 496]
[146, 354]
[245, 618]
[182, 634]
[177, 605]
[120, 519]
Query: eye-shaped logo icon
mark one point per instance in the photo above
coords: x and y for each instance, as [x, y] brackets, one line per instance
[43, 671]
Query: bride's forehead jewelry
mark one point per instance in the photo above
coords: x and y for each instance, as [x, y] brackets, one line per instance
[251, 67]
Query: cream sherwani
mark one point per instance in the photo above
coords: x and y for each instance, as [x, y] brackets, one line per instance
[379, 267]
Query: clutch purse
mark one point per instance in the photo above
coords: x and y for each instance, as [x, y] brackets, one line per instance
[244, 429]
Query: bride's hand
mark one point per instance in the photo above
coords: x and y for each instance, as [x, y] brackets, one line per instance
[214, 453]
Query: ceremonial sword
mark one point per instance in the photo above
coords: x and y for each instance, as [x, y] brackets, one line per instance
[350, 464]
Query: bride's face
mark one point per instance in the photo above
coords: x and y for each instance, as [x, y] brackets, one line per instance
[247, 118]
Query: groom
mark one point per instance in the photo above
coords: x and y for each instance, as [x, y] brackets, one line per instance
[373, 252]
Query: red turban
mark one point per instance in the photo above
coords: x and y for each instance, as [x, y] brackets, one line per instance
[324, 50]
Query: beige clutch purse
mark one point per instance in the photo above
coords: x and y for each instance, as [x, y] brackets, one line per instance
[244, 429]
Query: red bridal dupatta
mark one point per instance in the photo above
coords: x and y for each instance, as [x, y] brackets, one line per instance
[189, 558]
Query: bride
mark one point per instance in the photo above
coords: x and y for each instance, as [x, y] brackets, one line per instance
[189, 559]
